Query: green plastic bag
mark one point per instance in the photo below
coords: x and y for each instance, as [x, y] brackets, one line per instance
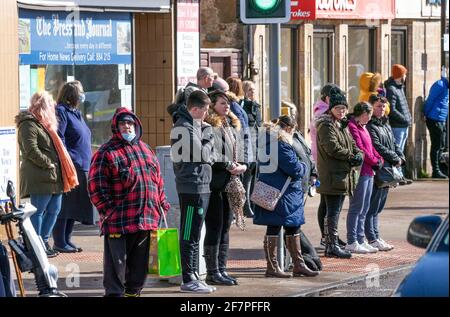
[164, 260]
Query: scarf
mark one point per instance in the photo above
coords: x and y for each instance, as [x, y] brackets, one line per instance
[69, 173]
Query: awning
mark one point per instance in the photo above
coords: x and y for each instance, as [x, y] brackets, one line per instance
[97, 5]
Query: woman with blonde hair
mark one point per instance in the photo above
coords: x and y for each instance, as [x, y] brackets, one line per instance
[46, 169]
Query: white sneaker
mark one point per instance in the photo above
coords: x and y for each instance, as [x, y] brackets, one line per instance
[380, 245]
[213, 288]
[195, 287]
[368, 247]
[390, 246]
[355, 247]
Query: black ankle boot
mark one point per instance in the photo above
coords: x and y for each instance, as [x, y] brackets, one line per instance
[222, 257]
[213, 275]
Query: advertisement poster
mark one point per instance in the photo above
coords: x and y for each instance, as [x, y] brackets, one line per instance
[8, 166]
[188, 41]
[81, 38]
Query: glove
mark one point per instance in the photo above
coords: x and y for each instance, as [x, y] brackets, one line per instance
[356, 160]
[313, 262]
[378, 166]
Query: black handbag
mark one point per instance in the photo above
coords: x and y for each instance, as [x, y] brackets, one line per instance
[387, 176]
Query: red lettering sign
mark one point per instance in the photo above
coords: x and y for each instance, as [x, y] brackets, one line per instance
[303, 10]
[355, 9]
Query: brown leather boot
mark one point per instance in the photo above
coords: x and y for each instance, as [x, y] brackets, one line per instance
[300, 268]
[270, 249]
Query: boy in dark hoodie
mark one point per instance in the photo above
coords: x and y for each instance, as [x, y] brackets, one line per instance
[191, 152]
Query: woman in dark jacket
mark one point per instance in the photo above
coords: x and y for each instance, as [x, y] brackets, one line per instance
[337, 155]
[289, 211]
[76, 136]
[219, 216]
[41, 177]
[383, 140]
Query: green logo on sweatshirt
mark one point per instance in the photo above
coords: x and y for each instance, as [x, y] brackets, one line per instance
[200, 211]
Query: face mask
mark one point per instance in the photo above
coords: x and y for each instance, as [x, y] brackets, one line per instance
[129, 136]
[82, 98]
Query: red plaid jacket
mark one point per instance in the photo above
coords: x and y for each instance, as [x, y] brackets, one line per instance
[125, 183]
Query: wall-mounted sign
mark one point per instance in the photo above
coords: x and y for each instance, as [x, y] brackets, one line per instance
[76, 37]
[303, 10]
[355, 9]
[188, 41]
[8, 166]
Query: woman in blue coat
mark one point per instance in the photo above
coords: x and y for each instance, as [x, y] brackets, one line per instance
[280, 162]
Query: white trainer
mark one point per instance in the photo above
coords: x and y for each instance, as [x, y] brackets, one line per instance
[390, 246]
[195, 287]
[355, 247]
[380, 245]
[368, 247]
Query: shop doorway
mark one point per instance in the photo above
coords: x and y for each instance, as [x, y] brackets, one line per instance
[323, 69]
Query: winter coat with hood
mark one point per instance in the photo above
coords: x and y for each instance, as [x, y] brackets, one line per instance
[181, 99]
[289, 210]
[364, 143]
[335, 147]
[368, 85]
[223, 149]
[192, 174]
[38, 155]
[319, 109]
[436, 105]
[383, 140]
[400, 116]
[125, 183]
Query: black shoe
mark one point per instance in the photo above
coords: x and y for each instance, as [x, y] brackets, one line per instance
[229, 277]
[405, 181]
[218, 279]
[438, 174]
[64, 250]
[341, 243]
[334, 251]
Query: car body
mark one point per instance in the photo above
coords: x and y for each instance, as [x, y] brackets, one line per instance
[429, 277]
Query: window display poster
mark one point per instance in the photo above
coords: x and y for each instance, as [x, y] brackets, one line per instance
[24, 81]
[188, 41]
[8, 166]
[74, 38]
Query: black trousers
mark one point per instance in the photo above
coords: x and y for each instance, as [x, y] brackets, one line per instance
[125, 263]
[322, 213]
[193, 209]
[437, 136]
[218, 220]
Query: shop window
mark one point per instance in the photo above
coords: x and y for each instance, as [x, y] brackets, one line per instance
[94, 48]
[398, 47]
[323, 63]
[361, 59]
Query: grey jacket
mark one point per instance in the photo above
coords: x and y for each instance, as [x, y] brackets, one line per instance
[304, 154]
[192, 154]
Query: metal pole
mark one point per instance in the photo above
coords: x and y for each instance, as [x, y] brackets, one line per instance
[443, 30]
[275, 100]
[274, 70]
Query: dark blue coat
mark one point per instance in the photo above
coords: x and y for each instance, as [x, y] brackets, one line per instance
[289, 211]
[75, 135]
[436, 106]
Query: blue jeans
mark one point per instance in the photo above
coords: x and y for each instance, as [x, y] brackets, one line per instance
[48, 207]
[377, 202]
[401, 136]
[359, 205]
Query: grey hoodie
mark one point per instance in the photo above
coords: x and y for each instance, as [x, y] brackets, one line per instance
[194, 145]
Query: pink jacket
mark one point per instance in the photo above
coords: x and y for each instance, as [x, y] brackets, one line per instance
[364, 143]
[319, 109]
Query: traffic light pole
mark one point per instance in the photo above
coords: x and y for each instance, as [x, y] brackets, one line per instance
[274, 70]
[275, 100]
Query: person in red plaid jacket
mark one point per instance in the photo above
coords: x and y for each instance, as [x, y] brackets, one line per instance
[126, 187]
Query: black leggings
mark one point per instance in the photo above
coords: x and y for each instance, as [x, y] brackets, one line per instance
[218, 219]
[275, 230]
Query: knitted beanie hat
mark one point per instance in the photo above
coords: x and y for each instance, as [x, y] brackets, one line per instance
[336, 98]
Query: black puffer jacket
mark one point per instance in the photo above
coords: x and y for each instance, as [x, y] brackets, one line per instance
[383, 140]
[400, 116]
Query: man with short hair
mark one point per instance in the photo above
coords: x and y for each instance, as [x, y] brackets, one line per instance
[192, 147]
[126, 187]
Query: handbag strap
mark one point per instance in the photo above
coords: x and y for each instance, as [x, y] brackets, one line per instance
[163, 215]
[286, 184]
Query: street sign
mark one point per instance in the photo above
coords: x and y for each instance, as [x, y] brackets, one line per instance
[303, 10]
[265, 11]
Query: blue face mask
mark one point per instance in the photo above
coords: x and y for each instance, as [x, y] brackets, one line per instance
[82, 98]
[129, 136]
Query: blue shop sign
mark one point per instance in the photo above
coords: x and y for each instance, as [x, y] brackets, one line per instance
[75, 37]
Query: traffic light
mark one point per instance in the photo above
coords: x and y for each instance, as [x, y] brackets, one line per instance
[265, 11]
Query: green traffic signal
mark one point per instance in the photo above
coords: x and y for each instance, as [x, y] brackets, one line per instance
[265, 6]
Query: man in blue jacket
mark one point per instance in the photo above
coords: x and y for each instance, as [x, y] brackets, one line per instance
[436, 112]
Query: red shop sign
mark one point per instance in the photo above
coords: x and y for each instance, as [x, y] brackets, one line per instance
[355, 9]
[303, 10]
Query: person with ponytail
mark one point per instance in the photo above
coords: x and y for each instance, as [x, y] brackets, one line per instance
[76, 136]
[46, 170]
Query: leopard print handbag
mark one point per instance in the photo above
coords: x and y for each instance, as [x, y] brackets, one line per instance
[266, 196]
